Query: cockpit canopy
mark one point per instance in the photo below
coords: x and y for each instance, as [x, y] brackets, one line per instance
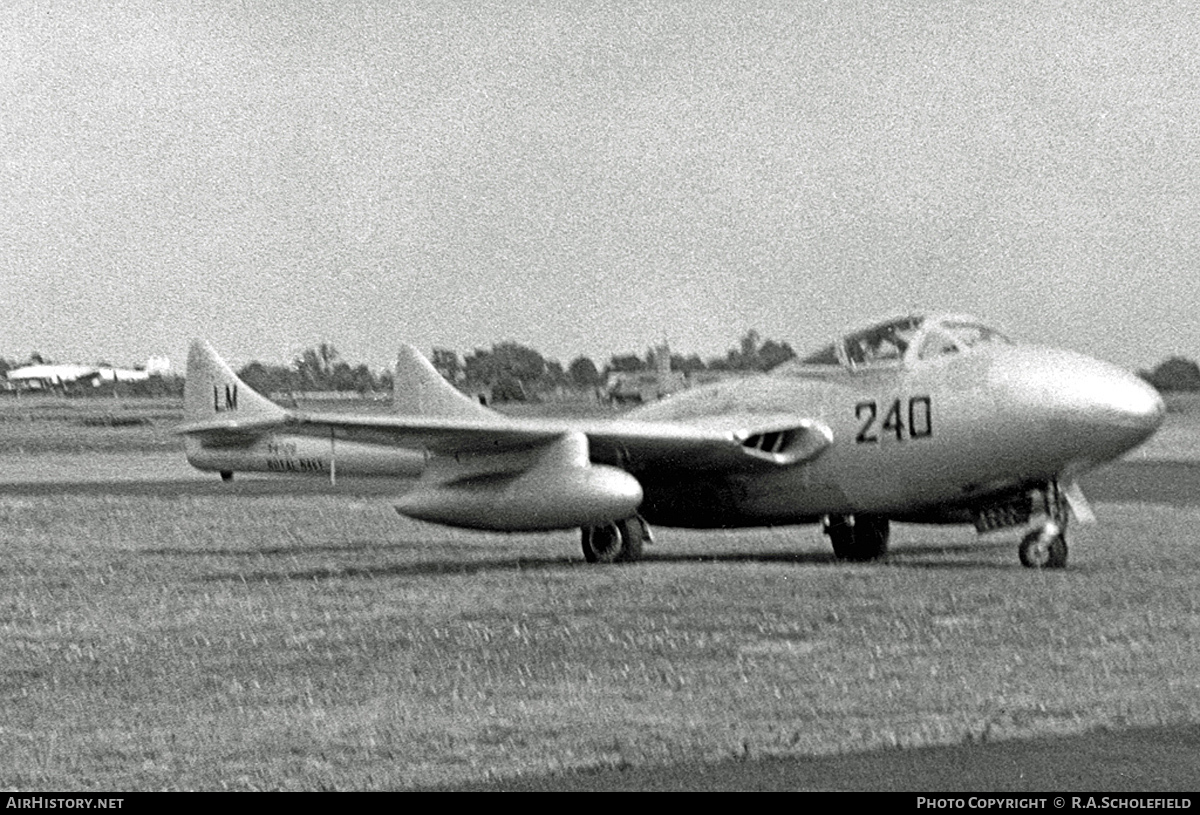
[901, 340]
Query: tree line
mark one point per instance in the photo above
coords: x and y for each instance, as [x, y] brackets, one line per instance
[509, 371]
[514, 372]
[316, 369]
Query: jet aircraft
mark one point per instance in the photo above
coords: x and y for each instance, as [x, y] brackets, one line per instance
[936, 419]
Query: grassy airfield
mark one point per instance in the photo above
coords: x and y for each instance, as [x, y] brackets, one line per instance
[261, 640]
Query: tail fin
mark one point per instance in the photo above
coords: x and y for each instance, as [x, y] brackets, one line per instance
[420, 390]
[213, 391]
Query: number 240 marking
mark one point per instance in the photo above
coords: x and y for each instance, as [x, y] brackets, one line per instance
[916, 423]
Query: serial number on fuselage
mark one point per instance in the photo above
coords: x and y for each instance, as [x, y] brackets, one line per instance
[283, 457]
[902, 419]
[295, 465]
[281, 448]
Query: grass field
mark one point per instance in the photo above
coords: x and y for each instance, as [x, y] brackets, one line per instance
[41, 424]
[257, 641]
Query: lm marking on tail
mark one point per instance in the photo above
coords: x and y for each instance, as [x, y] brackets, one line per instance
[230, 402]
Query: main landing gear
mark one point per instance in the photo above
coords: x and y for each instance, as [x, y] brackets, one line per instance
[857, 537]
[615, 542]
[1046, 546]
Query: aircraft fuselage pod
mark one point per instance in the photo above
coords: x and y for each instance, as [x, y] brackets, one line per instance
[917, 419]
[927, 441]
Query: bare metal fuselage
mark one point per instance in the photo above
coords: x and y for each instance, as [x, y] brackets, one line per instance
[926, 443]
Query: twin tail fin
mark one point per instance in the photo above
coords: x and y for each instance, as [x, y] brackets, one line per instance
[213, 393]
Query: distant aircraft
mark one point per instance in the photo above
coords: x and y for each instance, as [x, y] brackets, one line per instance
[47, 376]
[920, 419]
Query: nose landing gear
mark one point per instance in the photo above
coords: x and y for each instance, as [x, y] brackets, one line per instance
[1046, 546]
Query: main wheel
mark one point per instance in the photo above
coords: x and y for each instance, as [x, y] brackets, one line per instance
[615, 542]
[858, 537]
[1044, 548]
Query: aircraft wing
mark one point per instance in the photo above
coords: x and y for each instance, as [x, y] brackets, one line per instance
[438, 417]
[726, 443]
[636, 446]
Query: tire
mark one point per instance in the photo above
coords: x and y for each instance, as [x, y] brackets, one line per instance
[616, 542]
[1042, 550]
[858, 538]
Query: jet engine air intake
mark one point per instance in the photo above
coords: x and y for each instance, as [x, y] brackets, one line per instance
[786, 445]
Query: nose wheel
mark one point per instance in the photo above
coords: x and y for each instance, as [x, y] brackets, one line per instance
[1046, 546]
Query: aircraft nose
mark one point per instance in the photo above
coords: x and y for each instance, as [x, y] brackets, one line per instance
[1128, 401]
[1108, 398]
[1083, 409]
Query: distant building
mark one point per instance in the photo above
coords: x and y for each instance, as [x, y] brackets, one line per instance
[639, 387]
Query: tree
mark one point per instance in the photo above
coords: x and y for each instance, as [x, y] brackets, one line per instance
[524, 364]
[752, 354]
[269, 379]
[772, 354]
[555, 375]
[626, 364]
[315, 367]
[749, 345]
[386, 382]
[1176, 374]
[582, 373]
[687, 365]
[511, 370]
[446, 362]
[346, 378]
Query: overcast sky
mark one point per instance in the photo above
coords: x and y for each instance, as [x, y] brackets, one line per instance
[591, 178]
